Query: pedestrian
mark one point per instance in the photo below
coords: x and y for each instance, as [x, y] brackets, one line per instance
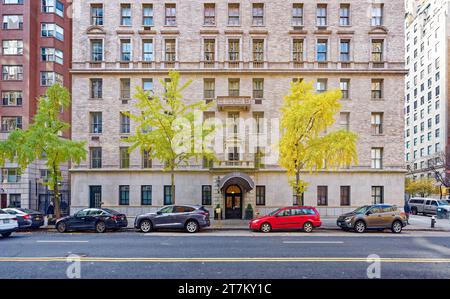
[407, 210]
[50, 209]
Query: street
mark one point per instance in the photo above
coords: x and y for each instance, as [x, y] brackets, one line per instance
[225, 255]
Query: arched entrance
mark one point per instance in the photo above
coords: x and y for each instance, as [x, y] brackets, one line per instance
[233, 202]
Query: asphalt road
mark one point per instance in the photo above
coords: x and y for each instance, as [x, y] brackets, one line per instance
[229, 255]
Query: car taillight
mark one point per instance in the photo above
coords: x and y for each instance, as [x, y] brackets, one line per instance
[26, 216]
[114, 217]
[14, 219]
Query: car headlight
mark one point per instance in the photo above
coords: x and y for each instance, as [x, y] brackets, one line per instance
[348, 219]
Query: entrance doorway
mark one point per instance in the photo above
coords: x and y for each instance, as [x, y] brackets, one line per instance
[3, 201]
[233, 202]
[95, 197]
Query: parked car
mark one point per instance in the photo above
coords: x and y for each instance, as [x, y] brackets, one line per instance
[99, 220]
[188, 217]
[8, 224]
[27, 218]
[377, 217]
[427, 206]
[305, 218]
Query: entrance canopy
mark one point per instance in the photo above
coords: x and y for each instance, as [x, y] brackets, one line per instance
[237, 178]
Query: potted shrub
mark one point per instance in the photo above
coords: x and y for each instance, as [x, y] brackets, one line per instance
[249, 212]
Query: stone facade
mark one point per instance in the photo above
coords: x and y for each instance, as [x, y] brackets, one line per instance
[277, 69]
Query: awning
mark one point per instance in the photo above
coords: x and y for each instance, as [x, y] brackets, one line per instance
[241, 179]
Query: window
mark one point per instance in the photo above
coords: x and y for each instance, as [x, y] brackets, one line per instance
[170, 50]
[12, 98]
[53, 6]
[10, 175]
[345, 88]
[321, 15]
[344, 50]
[233, 50]
[259, 123]
[96, 50]
[377, 123]
[13, 22]
[146, 195]
[52, 30]
[12, 47]
[11, 123]
[321, 85]
[124, 157]
[377, 50]
[322, 195]
[168, 198]
[209, 49]
[96, 88]
[209, 86]
[344, 120]
[124, 123]
[377, 15]
[50, 78]
[377, 88]
[146, 160]
[125, 14]
[297, 14]
[377, 194]
[322, 49]
[258, 50]
[206, 195]
[233, 14]
[125, 88]
[377, 158]
[260, 195]
[233, 87]
[344, 15]
[258, 14]
[345, 196]
[297, 50]
[12, 1]
[12, 73]
[125, 50]
[147, 14]
[258, 88]
[147, 86]
[96, 157]
[52, 55]
[124, 195]
[147, 50]
[171, 15]
[209, 18]
[97, 14]
[96, 119]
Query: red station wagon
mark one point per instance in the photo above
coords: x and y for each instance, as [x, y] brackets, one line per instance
[305, 218]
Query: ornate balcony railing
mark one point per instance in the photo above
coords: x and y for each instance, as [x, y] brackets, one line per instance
[234, 102]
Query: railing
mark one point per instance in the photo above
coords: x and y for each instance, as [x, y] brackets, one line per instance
[234, 164]
[233, 102]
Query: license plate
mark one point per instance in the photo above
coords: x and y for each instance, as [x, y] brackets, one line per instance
[5, 221]
[37, 218]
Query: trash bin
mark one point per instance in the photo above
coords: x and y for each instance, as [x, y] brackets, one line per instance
[442, 213]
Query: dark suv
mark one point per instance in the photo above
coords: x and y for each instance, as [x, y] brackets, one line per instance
[378, 217]
[188, 217]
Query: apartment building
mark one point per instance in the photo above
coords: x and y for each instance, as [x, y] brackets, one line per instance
[242, 57]
[35, 52]
[426, 89]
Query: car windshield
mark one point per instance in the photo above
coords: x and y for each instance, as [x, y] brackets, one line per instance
[361, 210]
[28, 211]
[112, 212]
[442, 203]
[274, 212]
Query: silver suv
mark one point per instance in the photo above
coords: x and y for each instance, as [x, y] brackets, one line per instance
[427, 206]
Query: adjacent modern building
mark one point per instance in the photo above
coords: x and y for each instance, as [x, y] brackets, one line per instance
[426, 88]
[35, 52]
[242, 57]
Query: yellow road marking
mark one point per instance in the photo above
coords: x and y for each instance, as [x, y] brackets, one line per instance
[223, 260]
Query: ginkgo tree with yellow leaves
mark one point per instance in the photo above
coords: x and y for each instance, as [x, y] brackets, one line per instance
[306, 146]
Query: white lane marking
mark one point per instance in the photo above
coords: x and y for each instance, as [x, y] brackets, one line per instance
[60, 241]
[313, 242]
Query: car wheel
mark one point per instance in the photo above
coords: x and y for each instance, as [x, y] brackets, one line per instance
[192, 226]
[146, 226]
[308, 227]
[397, 227]
[100, 227]
[266, 228]
[360, 227]
[6, 235]
[61, 227]
[414, 211]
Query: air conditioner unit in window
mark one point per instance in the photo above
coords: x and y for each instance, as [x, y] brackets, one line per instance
[147, 28]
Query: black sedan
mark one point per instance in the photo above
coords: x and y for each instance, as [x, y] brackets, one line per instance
[27, 218]
[92, 219]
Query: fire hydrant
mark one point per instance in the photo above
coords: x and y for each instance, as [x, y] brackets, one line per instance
[433, 221]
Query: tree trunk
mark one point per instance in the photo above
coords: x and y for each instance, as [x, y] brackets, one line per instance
[172, 184]
[56, 193]
[297, 189]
